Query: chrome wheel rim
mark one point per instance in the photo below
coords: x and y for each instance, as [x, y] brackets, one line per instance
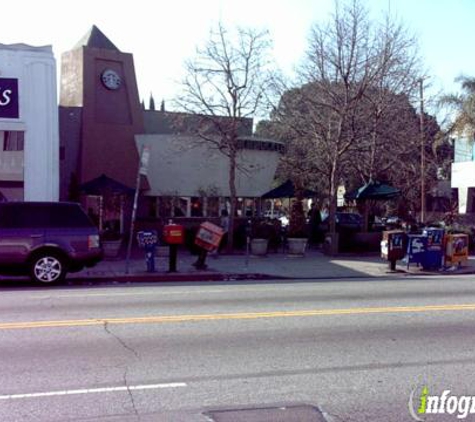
[48, 269]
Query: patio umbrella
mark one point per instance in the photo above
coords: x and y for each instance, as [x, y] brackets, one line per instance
[104, 184]
[373, 190]
[287, 190]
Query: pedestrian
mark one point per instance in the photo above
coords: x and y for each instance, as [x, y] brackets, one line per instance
[315, 219]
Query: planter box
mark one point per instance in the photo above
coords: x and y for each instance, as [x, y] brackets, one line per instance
[259, 247]
[296, 246]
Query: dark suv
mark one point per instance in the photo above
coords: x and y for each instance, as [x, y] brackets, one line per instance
[46, 240]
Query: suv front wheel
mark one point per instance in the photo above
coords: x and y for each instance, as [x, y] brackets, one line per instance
[47, 268]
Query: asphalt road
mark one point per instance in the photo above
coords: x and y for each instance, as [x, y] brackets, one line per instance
[354, 349]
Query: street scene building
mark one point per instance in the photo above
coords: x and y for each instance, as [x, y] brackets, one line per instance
[99, 112]
[188, 177]
[103, 128]
[29, 151]
[286, 234]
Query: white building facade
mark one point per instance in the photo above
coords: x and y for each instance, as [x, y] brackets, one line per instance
[463, 173]
[29, 139]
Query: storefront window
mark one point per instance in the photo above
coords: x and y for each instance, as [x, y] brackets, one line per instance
[249, 208]
[151, 206]
[12, 140]
[164, 206]
[213, 207]
[239, 207]
[196, 207]
[180, 207]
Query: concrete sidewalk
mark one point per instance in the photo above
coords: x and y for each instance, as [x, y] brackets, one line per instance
[314, 265]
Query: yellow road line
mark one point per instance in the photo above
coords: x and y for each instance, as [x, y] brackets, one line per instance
[232, 316]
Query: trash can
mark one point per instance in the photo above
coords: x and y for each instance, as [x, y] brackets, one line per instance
[393, 247]
[456, 249]
[432, 259]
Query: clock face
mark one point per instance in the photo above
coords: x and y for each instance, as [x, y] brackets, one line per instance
[111, 79]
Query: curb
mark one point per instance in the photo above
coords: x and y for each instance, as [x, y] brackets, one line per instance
[172, 277]
[163, 278]
[160, 277]
[461, 271]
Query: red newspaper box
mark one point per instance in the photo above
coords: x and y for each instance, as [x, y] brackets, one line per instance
[209, 236]
[174, 234]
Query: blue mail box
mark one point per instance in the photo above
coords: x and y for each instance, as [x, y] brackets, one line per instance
[416, 247]
[434, 254]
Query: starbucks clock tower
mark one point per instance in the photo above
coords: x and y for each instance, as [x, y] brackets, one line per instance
[100, 111]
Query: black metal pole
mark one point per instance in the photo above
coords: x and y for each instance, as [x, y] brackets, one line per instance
[200, 263]
[392, 265]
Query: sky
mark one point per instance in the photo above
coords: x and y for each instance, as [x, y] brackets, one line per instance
[163, 34]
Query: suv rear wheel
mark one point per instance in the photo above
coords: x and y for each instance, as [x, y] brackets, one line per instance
[47, 268]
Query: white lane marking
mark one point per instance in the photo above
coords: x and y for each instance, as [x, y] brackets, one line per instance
[93, 391]
[263, 288]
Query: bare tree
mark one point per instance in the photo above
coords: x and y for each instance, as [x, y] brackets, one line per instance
[353, 69]
[225, 85]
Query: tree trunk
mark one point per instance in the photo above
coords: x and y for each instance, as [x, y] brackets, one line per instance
[366, 216]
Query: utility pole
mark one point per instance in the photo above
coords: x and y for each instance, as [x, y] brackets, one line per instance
[423, 152]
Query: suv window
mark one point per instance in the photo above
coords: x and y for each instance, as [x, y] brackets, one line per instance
[39, 215]
[68, 215]
[19, 216]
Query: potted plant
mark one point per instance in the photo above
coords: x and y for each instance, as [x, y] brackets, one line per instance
[111, 240]
[260, 234]
[297, 234]
[111, 236]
